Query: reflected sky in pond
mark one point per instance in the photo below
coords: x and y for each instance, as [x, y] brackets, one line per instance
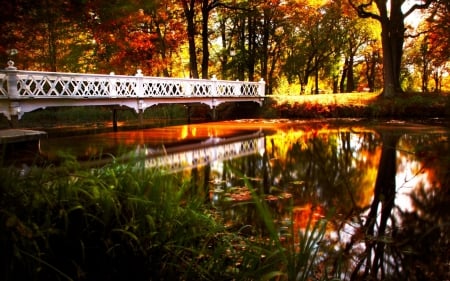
[310, 170]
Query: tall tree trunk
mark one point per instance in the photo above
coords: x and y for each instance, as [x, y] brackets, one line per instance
[375, 227]
[392, 20]
[51, 29]
[388, 64]
[224, 60]
[392, 39]
[343, 76]
[205, 42]
[189, 13]
[316, 80]
[251, 58]
[240, 59]
[350, 76]
[371, 62]
[265, 46]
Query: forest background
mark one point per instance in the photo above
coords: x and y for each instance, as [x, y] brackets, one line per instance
[296, 46]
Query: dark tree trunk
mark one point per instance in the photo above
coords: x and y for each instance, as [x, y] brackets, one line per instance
[189, 13]
[265, 46]
[251, 58]
[242, 38]
[371, 62]
[343, 76]
[350, 76]
[375, 227]
[205, 42]
[392, 38]
[316, 81]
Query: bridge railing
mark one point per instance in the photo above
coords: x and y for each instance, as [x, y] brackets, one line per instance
[20, 84]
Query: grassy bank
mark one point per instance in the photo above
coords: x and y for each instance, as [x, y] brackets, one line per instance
[125, 222]
[358, 105]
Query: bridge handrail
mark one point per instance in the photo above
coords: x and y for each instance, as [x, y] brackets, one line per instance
[23, 84]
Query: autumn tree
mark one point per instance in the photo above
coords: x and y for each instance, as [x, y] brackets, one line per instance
[199, 11]
[372, 64]
[136, 35]
[189, 9]
[438, 27]
[48, 35]
[391, 16]
[311, 46]
[358, 37]
[273, 41]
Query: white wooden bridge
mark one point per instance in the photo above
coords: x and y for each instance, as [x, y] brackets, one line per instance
[24, 91]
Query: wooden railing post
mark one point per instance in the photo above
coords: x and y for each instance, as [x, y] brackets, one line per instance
[237, 88]
[139, 83]
[214, 93]
[13, 94]
[140, 93]
[112, 85]
[214, 86]
[261, 87]
[11, 73]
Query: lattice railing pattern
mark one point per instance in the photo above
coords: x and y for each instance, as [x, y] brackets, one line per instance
[203, 156]
[3, 85]
[32, 84]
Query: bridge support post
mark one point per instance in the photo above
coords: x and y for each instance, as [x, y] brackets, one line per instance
[14, 122]
[188, 114]
[214, 113]
[141, 118]
[140, 112]
[14, 114]
[114, 119]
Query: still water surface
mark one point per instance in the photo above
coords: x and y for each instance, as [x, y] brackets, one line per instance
[384, 186]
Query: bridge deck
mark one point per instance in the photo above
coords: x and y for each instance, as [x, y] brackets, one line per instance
[24, 91]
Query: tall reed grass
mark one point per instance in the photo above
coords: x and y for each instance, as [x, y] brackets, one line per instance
[127, 222]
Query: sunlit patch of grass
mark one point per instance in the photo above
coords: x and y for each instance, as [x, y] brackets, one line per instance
[353, 99]
[361, 105]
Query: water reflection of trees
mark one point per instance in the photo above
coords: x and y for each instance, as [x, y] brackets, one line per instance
[423, 233]
[354, 174]
[332, 170]
[406, 244]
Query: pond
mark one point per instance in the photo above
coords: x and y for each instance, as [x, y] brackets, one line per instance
[382, 186]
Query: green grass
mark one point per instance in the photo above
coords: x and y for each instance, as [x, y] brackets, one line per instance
[126, 222]
[359, 105]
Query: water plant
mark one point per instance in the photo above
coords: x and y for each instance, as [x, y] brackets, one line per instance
[298, 257]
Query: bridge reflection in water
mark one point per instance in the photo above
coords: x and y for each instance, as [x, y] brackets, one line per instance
[213, 149]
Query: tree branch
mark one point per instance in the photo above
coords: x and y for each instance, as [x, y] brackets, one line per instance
[418, 7]
[361, 10]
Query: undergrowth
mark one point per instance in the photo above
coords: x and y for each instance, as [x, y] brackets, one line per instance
[127, 222]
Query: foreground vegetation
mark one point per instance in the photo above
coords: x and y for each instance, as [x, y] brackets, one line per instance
[125, 222]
